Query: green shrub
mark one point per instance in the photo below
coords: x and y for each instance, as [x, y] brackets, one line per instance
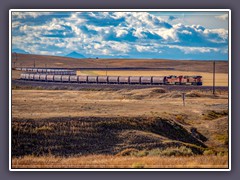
[209, 152]
[155, 152]
[140, 153]
[173, 151]
[220, 154]
[178, 151]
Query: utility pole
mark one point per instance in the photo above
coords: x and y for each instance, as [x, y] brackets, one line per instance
[183, 98]
[213, 77]
[14, 62]
[34, 64]
[106, 69]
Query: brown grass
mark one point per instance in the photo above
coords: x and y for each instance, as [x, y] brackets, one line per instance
[27, 60]
[54, 103]
[108, 161]
[74, 136]
[152, 102]
[16, 74]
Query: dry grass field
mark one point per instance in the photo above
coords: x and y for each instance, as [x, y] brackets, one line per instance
[120, 128]
[37, 104]
[107, 161]
[27, 60]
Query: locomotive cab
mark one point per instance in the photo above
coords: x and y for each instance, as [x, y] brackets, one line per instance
[173, 80]
[192, 80]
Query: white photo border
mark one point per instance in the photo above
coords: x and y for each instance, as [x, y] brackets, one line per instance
[120, 10]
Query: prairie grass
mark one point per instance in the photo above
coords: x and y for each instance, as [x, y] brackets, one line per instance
[109, 161]
[54, 103]
[210, 115]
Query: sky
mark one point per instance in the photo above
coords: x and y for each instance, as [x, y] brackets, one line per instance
[148, 35]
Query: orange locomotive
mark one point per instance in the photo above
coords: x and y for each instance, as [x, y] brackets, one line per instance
[184, 80]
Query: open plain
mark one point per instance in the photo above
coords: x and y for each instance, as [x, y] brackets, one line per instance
[120, 128]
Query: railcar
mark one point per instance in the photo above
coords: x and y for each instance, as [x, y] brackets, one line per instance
[124, 80]
[73, 79]
[113, 79]
[83, 79]
[65, 78]
[23, 76]
[31, 77]
[27, 76]
[39, 70]
[50, 77]
[102, 79]
[57, 78]
[92, 79]
[29, 69]
[34, 70]
[158, 80]
[135, 80]
[146, 80]
[173, 80]
[43, 77]
[192, 80]
[36, 77]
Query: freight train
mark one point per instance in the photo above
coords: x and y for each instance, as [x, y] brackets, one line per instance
[48, 71]
[151, 80]
[69, 76]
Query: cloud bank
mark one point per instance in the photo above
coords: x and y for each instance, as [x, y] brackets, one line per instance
[116, 34]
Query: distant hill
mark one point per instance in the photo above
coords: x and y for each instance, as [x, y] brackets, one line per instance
[17, 50]
[74, 54]
[26, 60]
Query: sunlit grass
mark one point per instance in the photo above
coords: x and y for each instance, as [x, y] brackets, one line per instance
[108, 161]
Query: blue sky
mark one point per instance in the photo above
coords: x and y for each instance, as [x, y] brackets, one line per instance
[168, 35]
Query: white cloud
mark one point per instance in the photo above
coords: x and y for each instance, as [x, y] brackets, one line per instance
[16, 24]
[145, 48]
[24, 15]
[223, 17]
[75, 19]
[120, 47]
[136, 32]
[121, 32]
[194, 50]
[167, 34]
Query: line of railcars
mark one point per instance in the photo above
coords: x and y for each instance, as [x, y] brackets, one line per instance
[48, 71]
[153, 80]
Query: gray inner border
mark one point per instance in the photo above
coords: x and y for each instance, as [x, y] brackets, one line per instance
[108, 4]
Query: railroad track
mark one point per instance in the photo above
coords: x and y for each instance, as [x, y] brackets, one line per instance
[77, 86]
